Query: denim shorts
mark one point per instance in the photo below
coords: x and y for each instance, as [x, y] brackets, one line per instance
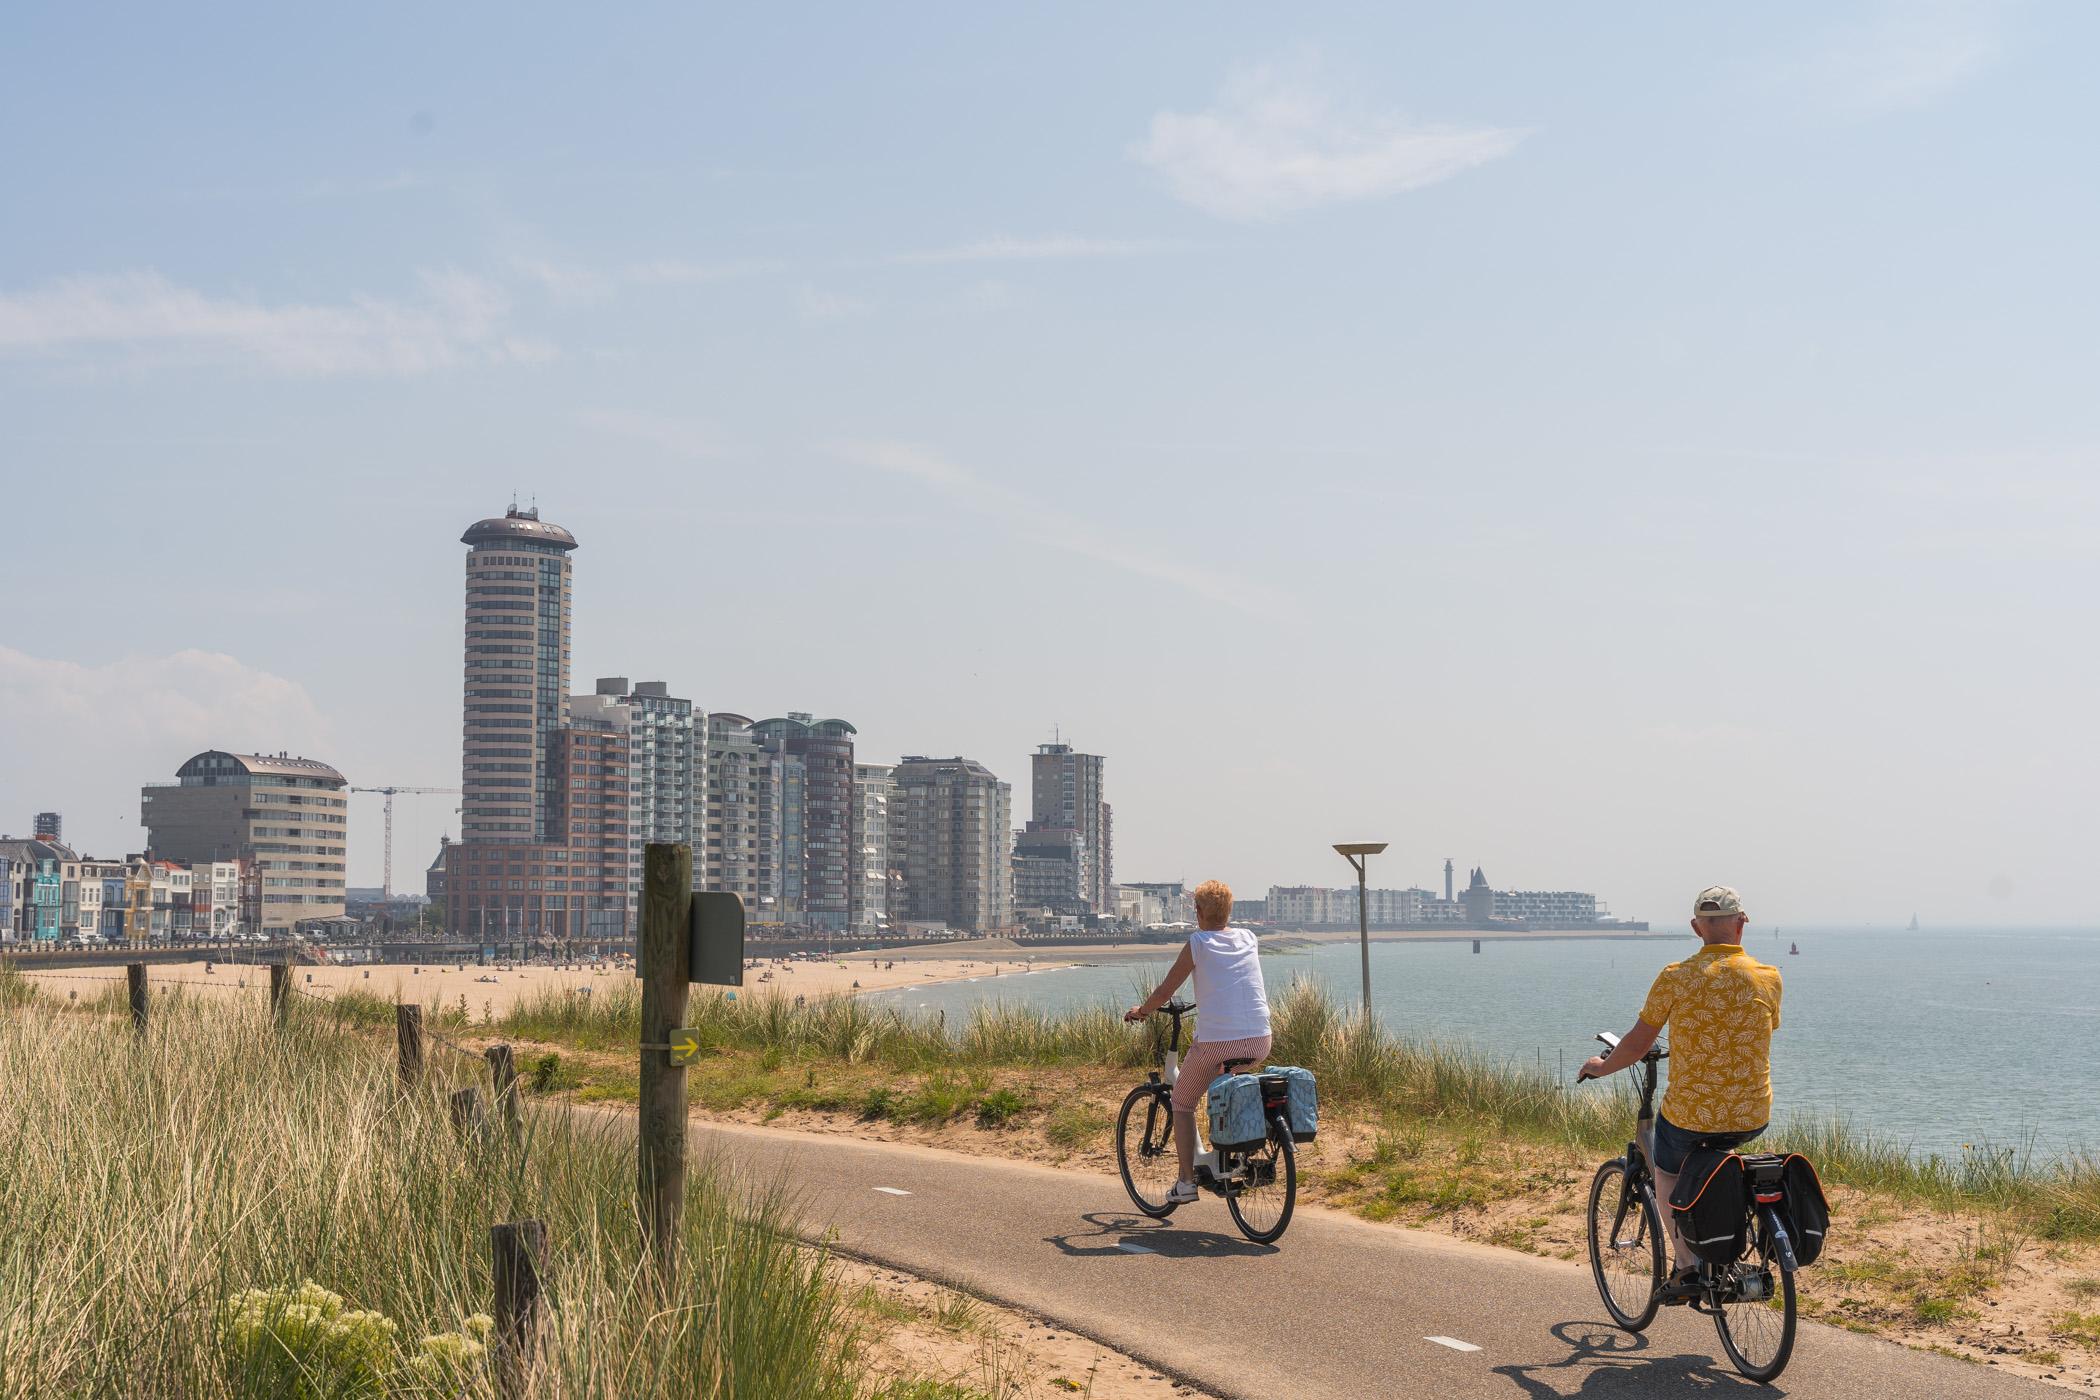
[1673, 1144]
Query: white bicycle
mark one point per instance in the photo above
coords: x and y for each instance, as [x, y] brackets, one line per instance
[1260, 1185]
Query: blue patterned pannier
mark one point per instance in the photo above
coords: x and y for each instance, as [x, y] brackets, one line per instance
[1304, 1111]
[1236, 1123]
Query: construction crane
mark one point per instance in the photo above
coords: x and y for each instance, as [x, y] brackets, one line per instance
[387, 887]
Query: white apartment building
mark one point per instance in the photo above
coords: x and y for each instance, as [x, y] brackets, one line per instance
[741, 817]
[665, 798]
[872, 785]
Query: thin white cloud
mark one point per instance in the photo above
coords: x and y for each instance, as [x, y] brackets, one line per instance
[813, 303]
[677, 436]
[1280, 140]
[88, 735]
[1037, 249]
[1902, 56]
[1058, 529]
[460, 320]
[578, 284]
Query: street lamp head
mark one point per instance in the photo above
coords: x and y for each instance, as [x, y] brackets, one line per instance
[1359, 848]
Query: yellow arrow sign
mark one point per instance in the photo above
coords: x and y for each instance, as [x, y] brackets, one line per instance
[685, 1046]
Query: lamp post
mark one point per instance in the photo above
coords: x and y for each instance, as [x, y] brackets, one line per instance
[1355, 852]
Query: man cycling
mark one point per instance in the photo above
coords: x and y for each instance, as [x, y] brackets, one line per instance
[1722, 1006]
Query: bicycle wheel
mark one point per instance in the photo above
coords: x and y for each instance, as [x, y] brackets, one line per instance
[1145, 1150]
[1262, 1204]
[1626, 1247]
[1757, 1332]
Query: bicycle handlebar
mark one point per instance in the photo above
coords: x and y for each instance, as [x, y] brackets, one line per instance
[1656, 1053]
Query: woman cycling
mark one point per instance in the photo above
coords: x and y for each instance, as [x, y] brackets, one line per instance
[1232, 1015]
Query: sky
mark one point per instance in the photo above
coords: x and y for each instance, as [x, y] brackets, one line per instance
[1625, 449]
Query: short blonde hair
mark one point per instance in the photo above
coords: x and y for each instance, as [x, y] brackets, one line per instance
[1213, 904]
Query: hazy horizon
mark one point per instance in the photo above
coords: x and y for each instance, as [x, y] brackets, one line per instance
[1623, 451]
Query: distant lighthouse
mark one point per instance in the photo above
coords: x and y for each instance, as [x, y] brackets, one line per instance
[1447, 879]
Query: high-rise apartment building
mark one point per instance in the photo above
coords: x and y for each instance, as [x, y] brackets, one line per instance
[741, 815]
[518, 583]
[664, 749]
[871, 869]
[48, 826]
[813, 769]
[543, 853]
[1067, 795]
[950, 839]
[1051, 870]
[287, 818]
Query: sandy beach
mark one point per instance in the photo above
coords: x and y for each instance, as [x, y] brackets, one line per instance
[498, 987]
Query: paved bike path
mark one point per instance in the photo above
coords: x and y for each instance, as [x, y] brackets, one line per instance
[1340, 1308]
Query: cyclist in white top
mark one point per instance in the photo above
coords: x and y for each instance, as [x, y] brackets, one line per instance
[1232, 1015]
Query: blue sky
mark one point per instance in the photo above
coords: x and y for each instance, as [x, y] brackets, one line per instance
[1626, 450]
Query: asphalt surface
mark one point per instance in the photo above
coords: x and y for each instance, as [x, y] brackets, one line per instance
[1339, 1307]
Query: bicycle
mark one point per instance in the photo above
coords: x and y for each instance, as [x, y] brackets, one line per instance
[1260, 1186]
[1750, 1299]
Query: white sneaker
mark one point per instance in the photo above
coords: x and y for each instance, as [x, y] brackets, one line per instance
[1182, 1193]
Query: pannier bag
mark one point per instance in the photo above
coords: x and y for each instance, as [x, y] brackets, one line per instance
[1710, 1205]
[1807, 1211]
[1786, 1182]
[1303, 1112]
[1236, 1121]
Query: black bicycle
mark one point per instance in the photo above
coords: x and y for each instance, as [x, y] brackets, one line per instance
[1260, 1186]
[1751, 1299]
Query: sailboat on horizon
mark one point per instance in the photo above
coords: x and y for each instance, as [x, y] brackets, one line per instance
[1914, 923]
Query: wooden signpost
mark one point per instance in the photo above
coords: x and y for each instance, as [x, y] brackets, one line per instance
[685, 938]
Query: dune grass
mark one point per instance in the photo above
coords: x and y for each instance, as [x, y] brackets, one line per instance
[1363, 1071]
[144, 1184]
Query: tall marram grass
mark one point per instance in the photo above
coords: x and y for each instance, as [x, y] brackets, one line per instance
[143, 1182]
[1362, 1068]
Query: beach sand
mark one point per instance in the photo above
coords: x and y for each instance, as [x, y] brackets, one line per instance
[498, 987]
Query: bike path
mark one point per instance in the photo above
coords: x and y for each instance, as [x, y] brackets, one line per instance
[1339, 1308]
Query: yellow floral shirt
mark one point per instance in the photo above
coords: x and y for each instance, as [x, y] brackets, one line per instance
[1721, 1006]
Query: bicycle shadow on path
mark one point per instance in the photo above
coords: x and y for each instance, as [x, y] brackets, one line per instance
[1617, 1369]
[1114, 1229]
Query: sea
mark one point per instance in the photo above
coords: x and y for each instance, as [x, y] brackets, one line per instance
[1944, 1041]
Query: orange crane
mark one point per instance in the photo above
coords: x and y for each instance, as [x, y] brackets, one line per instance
[387, 888]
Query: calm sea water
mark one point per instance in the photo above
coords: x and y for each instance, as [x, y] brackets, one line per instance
[1937, 1039]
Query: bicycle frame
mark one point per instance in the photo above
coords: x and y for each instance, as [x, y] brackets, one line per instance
[1211, 1165]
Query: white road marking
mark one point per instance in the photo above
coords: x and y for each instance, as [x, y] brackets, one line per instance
[892, 1191]
[1452, 1342]
[1132, 1247]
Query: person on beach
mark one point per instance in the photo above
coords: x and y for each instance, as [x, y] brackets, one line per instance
[1722, 1006]
[1232, 1015]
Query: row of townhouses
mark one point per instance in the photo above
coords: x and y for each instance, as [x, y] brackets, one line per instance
[237, 844]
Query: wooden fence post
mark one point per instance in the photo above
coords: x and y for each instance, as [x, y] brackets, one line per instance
[517, 1250]
[135, 980]
[467, 1116]
[408, 1036]
[280, 984]
[667, 899]
[503, 1077]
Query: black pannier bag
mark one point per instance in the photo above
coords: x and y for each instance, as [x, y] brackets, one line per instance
[1786, 1182]
[1807, 1210]
[1710, 1205]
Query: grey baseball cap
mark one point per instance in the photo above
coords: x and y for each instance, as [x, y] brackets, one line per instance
[1716, 902]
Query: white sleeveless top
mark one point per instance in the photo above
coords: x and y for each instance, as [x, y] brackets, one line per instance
[1231, 1003]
